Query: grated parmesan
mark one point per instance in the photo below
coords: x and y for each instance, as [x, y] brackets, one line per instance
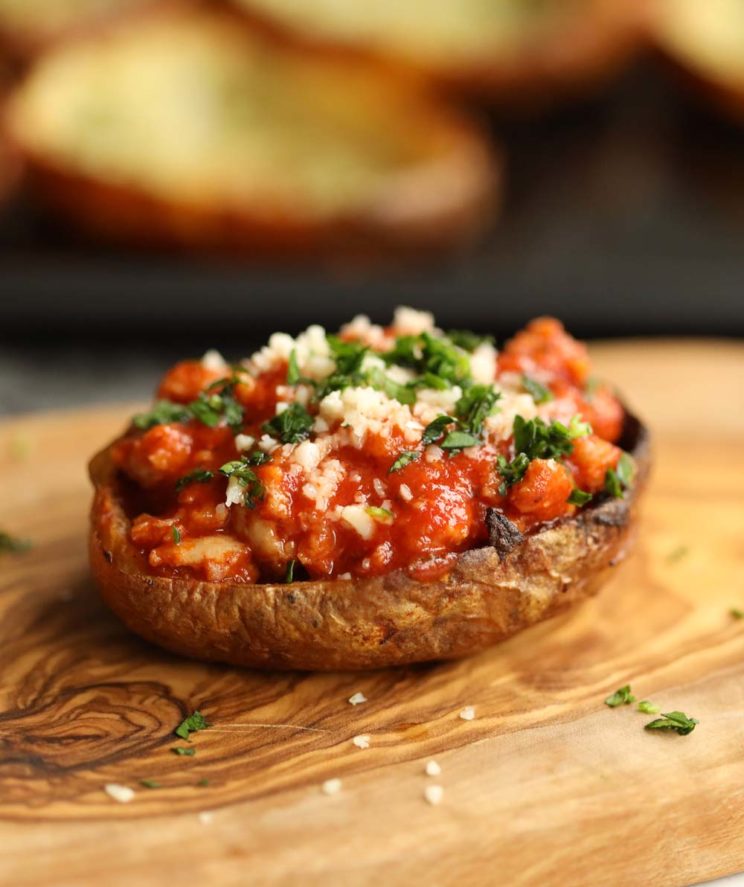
[434, 794]
[331, 786]
[467, 713]
[357, 699]
[120, 793]
[361, 741]
[432, 768]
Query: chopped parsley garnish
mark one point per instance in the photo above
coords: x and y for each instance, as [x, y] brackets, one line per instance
[192, 724]
[737, 613]
[12, 544]
[623, 696]
[458, 440]
[289, 575]
[197, 476]
[202, 782]
[618, 479]
[468, 340]
[538, 440]
[247, 478]
[293, 425]
[257, 457]
[294, 377]
[434, 430]
[427, 354]
[176, 535]
[211, 409]
[579, 497]
[405, 458]
[539, 393]
[183, 752]
[674, 722]
[149, 783]
[383, 515]
[511, 472]
[475, 406]
[377, 379]
[163, 412]
[648, 708]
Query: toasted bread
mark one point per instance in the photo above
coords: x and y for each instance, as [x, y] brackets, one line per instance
[184, 129]
[510, 51]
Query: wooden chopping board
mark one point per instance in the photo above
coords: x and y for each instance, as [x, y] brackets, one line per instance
[545, 786]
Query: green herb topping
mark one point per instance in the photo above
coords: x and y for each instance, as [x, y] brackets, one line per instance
[619, 479]
[475, 406]
[197, 476]
[579, 497]
[737, 613]
[540, 394]
[405, 458]
[183, 752]
[192, 724]
[623, 696]
[674, 722]
[162, 413]
[467, 340]
[289, 575]
[12, 544]
[149, 783]
[648, 708]
[435, 429]
[247, 478]
[511, 472]
[293, 425]
[458, 440]
[176, 535]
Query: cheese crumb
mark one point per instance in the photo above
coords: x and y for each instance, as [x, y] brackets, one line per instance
[432, 768]
[405, 493]
[361, 741]
[235, 492]
[468, 713]
[214, 361]
[121, 793]
[244, 442]
[357, 517]
[331, 786]
[434, 794]
[410, 322]
[206, 817]
[357, 699]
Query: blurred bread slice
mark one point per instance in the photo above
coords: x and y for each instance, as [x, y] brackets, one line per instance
[27, 27]
[705, 40]
[186, 130]
[517, 51]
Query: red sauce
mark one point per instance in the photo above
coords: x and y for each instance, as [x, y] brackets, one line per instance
[439, 504]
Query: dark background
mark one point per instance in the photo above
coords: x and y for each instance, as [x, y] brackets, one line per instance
[623, 216]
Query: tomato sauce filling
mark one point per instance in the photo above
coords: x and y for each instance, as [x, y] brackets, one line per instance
[350, 515]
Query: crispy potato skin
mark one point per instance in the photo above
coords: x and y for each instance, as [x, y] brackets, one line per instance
[364, 623]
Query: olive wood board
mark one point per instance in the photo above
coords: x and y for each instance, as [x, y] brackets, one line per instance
[545, 786]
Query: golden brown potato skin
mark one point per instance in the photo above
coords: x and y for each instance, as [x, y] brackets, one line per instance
[363, 623]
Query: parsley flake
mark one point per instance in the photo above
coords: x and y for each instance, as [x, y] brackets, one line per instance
[511, 472]
[539, 392]
[176, 532]
[289, 575]
[197, 476]
[192, 724]
[162, 413]
[674, 722]
[623, 696]
[648, 708]
[736, 613]
[579, 497]
[405, 458]
[475, 406]
[149, 783]
[468, 340]
[435, 429]
[293, 425]
[183, 752]
[458, 440]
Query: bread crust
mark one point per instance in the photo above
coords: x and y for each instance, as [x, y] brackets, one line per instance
[492, 592]
[601, 45]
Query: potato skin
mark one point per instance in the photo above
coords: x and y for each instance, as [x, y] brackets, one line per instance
[364, 623]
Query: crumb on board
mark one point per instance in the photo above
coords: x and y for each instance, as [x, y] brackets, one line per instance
[120, 793]
[206, 817]
[433, 794]
[331, 786]
[361, 741]
[432, 768]
[467, 713]
[357, 699]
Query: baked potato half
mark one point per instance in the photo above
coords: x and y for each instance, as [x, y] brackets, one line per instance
[470, 535]
[185, 130]
[510, 51]
[705, 42]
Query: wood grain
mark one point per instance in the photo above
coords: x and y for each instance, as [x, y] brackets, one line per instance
[546, 785]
